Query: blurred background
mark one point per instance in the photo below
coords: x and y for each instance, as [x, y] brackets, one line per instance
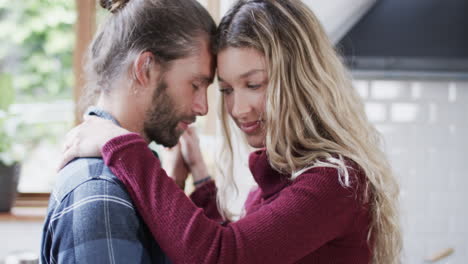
[409, 60]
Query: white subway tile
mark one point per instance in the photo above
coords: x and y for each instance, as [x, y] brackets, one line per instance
[459, 223]
[425, 130]
[376, 112]
[416, 90]
[390, 90]
[452, 92]
[435, 91]
[408, 112]
[362, 87]
[462, 91]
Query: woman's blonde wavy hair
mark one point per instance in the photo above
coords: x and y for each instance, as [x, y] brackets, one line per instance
[313, 114]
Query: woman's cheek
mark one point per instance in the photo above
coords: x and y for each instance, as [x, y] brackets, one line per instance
[228, 104]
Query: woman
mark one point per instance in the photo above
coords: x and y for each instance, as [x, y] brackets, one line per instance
[326, 192]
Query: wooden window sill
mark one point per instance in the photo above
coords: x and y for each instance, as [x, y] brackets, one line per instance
[26, 214]
[28, 207]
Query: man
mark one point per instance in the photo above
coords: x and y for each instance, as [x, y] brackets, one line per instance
[151, 63]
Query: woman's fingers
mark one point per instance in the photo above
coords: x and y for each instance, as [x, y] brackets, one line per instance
[69, 137]
[72, 147]
[87, 139]
[70, 153]
[190, 147]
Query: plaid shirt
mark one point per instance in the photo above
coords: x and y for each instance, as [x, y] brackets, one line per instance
[91, 218]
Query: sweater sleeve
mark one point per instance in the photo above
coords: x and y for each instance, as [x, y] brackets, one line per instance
[205, 197]
[306, 215]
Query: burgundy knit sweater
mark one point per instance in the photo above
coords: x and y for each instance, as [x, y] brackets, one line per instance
[312, 219]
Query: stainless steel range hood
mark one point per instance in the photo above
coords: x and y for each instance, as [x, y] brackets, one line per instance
[424, 39]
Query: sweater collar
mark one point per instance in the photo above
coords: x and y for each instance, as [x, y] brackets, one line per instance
[268, 179]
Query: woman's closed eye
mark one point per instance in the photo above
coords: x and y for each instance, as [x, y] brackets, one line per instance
[253, 86]
[225, 90]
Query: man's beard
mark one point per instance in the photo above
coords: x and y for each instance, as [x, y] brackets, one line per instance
[162, 118]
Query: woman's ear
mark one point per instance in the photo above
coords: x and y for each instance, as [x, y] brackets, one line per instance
[142, 68]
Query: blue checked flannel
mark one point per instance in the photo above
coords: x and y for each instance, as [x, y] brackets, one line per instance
[91, 218]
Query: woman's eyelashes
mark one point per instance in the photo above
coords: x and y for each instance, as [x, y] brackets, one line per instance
[228, 90]
[253, 86]
[225, 90]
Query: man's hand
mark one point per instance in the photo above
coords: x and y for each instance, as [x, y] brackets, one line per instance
[185, 158]
[173, 163]
[190, 148]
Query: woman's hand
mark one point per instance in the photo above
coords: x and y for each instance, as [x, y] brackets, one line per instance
[190, 148]
[88, 138]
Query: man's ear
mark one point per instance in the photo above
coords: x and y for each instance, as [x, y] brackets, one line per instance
[142, 67]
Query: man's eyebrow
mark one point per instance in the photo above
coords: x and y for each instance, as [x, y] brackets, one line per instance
[204, 78]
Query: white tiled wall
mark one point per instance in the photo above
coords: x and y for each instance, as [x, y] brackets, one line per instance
[425, 127]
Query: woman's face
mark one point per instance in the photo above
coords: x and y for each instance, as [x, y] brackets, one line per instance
[243, 80]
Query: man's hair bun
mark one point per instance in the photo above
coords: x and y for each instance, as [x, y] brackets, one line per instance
[113, 5]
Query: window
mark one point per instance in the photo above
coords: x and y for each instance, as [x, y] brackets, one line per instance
[36, 53]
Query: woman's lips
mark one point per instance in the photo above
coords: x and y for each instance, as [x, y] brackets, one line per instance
[250, 127]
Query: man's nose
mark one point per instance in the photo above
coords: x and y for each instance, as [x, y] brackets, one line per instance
[200, 104]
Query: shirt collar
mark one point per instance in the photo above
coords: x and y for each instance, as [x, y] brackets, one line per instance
[96, 111]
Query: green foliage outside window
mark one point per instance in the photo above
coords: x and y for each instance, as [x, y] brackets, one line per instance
[36, 44]
[37, 39]
[10, 151]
